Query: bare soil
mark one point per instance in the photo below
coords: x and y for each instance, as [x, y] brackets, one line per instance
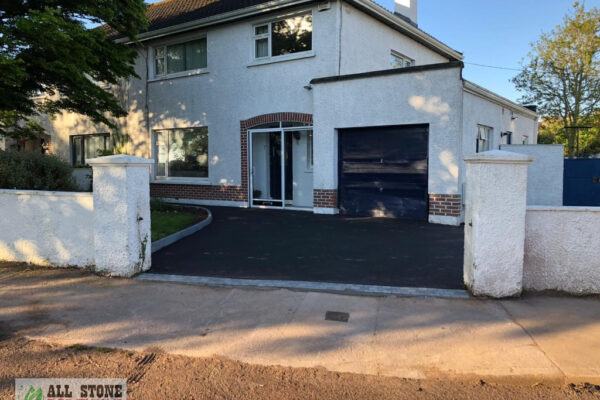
[153, 375]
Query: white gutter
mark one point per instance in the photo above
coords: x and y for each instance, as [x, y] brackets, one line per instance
[216, 19]
[482, 92]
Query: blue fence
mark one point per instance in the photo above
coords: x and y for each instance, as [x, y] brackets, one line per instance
[582, 182]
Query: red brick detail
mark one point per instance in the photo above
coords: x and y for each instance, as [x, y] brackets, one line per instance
[228, 193]
[447, 205]
[199, 192]
[324, 198]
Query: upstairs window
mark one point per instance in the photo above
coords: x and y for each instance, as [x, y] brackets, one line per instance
[286, 36]
[180, 57]
[398, 60]
[484, 138]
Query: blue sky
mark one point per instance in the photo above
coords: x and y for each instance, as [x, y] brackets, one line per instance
[490, 32]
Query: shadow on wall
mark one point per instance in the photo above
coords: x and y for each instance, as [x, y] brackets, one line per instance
[47, 228]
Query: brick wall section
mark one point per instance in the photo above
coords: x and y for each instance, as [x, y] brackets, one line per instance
[228, 193]
[324, 198]
[447, 205]
[199, 192]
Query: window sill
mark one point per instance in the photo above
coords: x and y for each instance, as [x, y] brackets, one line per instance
[183, 74]
[287, 57]
[182, 181]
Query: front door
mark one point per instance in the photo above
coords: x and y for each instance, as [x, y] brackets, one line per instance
[281, 167]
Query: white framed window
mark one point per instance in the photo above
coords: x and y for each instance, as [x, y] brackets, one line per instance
[283, 36]
[84, 147]
[398, 60]
[484, 138]
[180, 57]
[181, 153]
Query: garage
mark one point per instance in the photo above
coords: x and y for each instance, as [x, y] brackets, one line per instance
[383, 171]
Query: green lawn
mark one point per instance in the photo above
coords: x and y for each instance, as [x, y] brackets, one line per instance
[167, 222]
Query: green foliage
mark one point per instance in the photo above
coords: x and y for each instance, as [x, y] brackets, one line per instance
[165, 223]
[586, 141]
[46, 48]
[562, 73]
[35, 171]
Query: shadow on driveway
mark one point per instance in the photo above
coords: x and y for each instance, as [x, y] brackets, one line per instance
[302, 246]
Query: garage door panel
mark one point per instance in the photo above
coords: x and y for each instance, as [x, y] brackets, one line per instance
[383, 171]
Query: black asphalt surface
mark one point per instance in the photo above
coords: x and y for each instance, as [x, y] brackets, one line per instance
[301, 246]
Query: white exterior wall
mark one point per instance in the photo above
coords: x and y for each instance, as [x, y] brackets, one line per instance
[480, 111]
[545, 180]
[366, 44]
[561, 249]
[47, 228]
[236, 89]
[428, 97]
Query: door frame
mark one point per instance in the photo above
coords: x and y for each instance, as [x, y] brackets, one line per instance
[281, 132]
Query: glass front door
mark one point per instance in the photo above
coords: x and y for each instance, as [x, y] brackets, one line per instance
[281, 167]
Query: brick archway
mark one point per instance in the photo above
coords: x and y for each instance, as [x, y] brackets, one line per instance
[259, 120]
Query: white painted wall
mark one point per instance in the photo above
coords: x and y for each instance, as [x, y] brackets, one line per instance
[47, 228]
[366, 44]
[545, 181]
[495, 198]
[431, 97]
[561, 249]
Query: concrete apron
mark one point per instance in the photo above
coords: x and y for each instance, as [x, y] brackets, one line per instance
[537, 338]
[340, 288]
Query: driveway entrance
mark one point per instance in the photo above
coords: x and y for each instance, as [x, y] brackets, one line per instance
[301, 246]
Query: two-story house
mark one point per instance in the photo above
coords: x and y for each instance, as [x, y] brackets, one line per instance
[326, 106]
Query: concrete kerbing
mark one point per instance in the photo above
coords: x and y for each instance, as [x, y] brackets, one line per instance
[340, 288]
[169, 240]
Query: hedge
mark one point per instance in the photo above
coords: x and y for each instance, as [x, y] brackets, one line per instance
[35, 171]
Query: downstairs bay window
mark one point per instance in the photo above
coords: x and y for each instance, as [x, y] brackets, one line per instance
[181, 153]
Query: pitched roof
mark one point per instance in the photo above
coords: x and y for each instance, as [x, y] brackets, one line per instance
[174, 12]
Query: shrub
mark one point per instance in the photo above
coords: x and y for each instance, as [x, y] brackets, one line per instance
[35, 171]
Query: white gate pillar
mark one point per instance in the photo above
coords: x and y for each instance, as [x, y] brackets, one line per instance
[122, 237]
[496, 201]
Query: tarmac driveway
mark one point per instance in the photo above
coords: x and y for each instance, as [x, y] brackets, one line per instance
[301, 246]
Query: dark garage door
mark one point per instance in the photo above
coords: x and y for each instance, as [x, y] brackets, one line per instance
[383, 171]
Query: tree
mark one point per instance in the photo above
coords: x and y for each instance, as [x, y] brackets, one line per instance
[47, 47]
[562, 74]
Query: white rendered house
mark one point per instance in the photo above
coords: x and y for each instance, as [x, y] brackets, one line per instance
[326, 106]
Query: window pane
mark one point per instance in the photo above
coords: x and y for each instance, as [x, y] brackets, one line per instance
[159, 66]
[291, 35]
[188, 153]
[262, 48]
[261, 30]
[162, 145]
[77, 150]
[175, 58]
[195, 54]
[94, 144]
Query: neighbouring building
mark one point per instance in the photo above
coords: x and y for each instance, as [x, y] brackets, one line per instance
[326, 106]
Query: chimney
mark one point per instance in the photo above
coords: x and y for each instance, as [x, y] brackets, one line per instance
[407, 10]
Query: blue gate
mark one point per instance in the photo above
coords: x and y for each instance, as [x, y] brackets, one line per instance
[582, 182]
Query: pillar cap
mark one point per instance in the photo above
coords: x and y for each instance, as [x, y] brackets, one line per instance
[122, 160]
[499, 157]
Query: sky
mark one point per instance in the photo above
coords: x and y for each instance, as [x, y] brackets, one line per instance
[491, 32]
